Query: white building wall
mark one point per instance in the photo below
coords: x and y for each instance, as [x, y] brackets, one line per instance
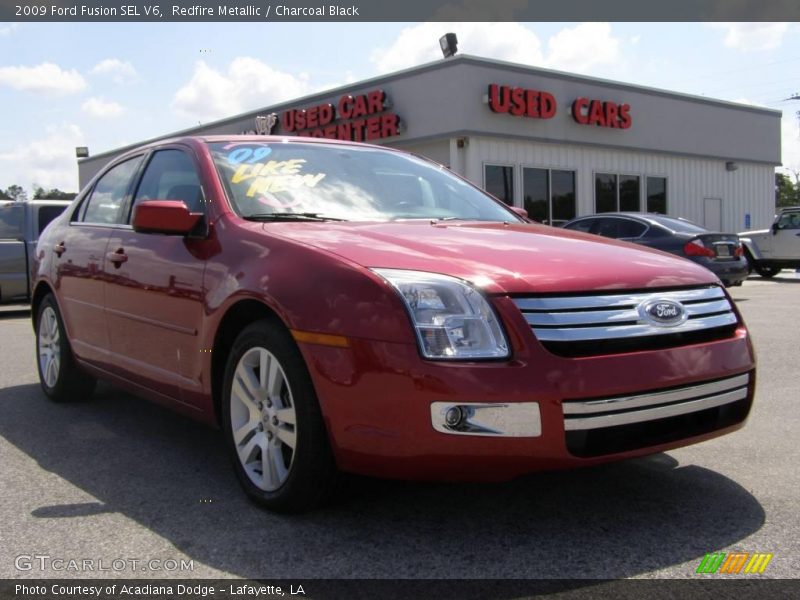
[749, 189]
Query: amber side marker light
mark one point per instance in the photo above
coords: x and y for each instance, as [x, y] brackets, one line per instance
[322, 339]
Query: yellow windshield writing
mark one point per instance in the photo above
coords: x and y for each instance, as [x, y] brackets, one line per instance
[275, 176]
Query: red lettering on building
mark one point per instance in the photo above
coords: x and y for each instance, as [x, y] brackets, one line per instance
[521, 102]
[601, 114]
[360, 118]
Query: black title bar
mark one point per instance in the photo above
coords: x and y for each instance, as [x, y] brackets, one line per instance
[394, 10]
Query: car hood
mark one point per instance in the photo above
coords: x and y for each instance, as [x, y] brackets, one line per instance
[754, 232]
[500, 257]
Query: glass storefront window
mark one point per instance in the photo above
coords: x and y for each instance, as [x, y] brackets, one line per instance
[614, 193]
[657, 195]
[605, 192]
[629, 193]
[499, 182]
[549, 194]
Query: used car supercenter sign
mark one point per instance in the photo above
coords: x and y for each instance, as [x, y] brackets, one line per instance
[536, 104]
[359, 118]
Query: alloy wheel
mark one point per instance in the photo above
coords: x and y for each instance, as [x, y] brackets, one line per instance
[263, 419]
[49, 342]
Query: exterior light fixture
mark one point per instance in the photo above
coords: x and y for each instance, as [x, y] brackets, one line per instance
[81, 152]
[731, 166]
[449, 44]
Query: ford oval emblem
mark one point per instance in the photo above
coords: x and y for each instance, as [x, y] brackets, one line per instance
[663, 312]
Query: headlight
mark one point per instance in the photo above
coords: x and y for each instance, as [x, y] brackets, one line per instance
[452, 319]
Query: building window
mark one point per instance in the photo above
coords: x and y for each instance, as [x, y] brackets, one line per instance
[549, 194]
[614, 193]
[499, 182]
[605, 193]
[657, 195]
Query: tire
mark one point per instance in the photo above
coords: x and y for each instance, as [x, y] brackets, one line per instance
[766, 272]
[60, 377]
[273, 424]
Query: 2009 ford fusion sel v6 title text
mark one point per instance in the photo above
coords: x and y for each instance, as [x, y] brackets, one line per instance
[342, 307]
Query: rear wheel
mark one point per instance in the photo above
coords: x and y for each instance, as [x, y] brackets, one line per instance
[273, 424]
[766, 272]
[61, 379]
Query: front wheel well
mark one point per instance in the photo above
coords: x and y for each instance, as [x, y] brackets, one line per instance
[239, 316]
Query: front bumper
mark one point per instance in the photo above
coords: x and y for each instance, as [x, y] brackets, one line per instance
[377, 400]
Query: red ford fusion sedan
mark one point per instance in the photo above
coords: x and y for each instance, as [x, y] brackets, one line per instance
[339, 307]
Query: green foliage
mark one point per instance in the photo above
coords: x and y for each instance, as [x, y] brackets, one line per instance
[52, 194]
[787, 192]
[16, 192]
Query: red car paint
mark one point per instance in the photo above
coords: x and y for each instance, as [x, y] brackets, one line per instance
[154, 323]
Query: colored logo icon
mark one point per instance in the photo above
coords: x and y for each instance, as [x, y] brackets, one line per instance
[734, 563]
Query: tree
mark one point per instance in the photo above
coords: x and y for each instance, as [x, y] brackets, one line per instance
[17, 193]
[4, 196]
[787, 192]
[52, 194]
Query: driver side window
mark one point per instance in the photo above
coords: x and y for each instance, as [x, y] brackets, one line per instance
[789, 221]
[171, 175]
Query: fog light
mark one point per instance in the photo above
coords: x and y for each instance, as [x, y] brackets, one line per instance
[513, 419]
[453, 416]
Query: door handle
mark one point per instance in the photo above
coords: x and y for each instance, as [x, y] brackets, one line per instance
[117, 257]
[59, 249]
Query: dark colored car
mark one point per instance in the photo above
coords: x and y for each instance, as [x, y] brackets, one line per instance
[342, 307]
[721, 253]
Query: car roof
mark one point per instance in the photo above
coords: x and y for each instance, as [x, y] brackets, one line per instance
[195, 140]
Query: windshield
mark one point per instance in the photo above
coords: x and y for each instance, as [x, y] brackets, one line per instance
[265, 179]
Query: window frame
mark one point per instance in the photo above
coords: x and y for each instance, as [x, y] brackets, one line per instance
[514, 183]
[549, 169]
[618, 174]
[666, 192]
[148, 158]
[78, 216]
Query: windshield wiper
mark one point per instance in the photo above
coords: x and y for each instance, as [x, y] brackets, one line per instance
[290, 216]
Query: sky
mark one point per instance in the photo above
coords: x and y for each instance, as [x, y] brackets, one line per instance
[106, 85]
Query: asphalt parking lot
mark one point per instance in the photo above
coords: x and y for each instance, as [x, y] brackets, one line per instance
[119, 478]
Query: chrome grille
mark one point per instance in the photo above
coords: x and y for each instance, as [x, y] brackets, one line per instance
[603, 426]
[623, 410]
[599, 317]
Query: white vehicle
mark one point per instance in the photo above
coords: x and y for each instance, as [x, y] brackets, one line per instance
[770, 250]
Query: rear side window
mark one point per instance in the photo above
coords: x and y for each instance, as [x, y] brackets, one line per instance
[171, 175]
[105, 204]
[618, 228]
[11, 221]
[47, 214]
[583, 225]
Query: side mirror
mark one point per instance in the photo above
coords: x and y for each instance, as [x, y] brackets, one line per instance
[775, 228]
[171, 217]
[521, 212]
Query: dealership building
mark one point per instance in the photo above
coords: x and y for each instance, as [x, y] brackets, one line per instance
[560, 145]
